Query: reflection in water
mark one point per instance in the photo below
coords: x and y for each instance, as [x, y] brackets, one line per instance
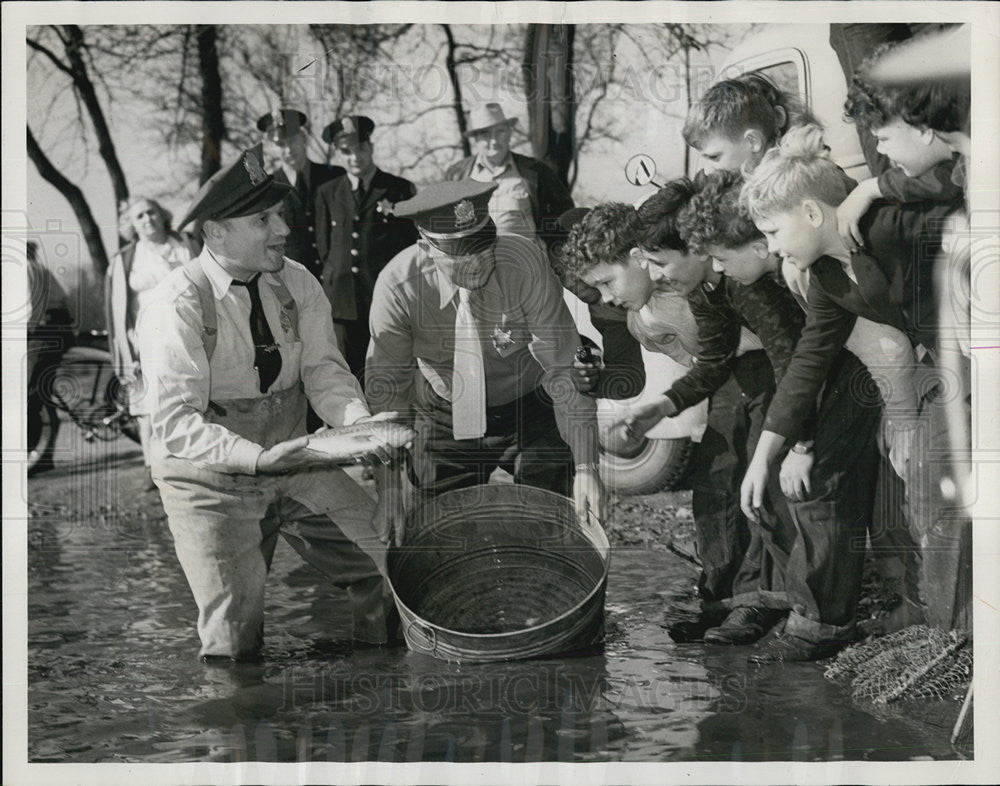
[113, 676]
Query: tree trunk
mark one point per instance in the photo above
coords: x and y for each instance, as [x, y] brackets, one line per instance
[72, 37]
[456, 88]
[548, 82]
[213, 125]
[73, 195]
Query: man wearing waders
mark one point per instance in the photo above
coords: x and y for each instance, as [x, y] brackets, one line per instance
[238, 341]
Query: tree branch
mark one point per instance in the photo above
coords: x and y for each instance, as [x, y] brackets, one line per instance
[73, 195]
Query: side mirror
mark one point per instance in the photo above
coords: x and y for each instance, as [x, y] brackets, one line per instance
[640, 170]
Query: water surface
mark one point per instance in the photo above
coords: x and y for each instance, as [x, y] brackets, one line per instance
[113, 673]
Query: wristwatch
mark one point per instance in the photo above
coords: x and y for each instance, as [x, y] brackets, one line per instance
[803, 446]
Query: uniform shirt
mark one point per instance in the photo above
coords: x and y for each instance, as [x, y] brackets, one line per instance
[182, 381]
[365, 178]
[510, 204]
[526, 332]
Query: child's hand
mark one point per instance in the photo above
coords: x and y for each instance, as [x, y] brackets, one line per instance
[794, 475]
[852, 209]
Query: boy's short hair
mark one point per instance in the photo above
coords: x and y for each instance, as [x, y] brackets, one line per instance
[606, 234]
[931, 104]
[732, 106]
[658, 228]
[714, 216]
[798, 168]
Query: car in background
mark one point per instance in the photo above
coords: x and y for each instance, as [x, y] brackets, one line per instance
[798, 59]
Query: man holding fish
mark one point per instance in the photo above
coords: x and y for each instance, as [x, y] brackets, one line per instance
[235, 344]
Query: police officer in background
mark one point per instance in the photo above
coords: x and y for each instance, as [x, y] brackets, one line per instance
[285, 137]
[357, 232]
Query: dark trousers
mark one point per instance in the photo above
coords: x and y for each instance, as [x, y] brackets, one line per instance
[730, 546]
[356, 343]
[824, 560]
[521, 438]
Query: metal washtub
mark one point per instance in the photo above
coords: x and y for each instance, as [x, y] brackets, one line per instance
[499, 572]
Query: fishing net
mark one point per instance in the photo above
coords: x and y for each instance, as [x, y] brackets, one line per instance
[915, 662]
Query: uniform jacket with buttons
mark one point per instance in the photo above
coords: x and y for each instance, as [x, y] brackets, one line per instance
[355, 241]
[299, 212]
[549, 197]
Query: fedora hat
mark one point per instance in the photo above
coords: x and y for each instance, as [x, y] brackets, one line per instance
[488, 116]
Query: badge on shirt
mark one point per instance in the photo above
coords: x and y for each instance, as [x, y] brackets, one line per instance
[385, 207]
[502, 339]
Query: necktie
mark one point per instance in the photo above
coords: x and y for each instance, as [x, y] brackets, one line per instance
[266, 357]
[359, 192]
[468, 381]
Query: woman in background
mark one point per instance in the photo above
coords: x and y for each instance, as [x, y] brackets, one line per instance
[153, 251]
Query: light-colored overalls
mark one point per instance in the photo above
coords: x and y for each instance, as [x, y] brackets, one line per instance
[225, 526]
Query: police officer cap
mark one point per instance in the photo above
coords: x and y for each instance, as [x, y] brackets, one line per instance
[282, 123]
[453, 209]
[240, 189]
[351, 128]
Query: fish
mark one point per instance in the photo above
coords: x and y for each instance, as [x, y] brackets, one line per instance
[354, 442]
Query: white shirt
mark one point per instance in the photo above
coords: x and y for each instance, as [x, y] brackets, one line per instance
[510, 204]
[181, 381]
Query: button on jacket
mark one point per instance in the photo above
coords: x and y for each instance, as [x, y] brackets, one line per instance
[299, 212]
[355, 241]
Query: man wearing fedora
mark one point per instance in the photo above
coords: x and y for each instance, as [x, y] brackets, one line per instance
[234, 345]
[470, 334]
[529, 195]
[285, 136]
[357, 233]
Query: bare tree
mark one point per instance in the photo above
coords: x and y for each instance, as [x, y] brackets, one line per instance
[81, 208]
[213, 124]
[75, 67]
[548, 84]
[451, 64]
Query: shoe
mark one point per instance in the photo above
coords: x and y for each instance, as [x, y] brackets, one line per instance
[792, 648]
[693, 630]
[744, 625]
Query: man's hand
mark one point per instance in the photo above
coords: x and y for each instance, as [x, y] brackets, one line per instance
[794, 475]
[588, 494]
[290, 455]
[586, 376]
[852, 209]
[625, 434]
[752, 490]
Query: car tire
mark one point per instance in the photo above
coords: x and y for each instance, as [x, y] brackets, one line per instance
[659, 465]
